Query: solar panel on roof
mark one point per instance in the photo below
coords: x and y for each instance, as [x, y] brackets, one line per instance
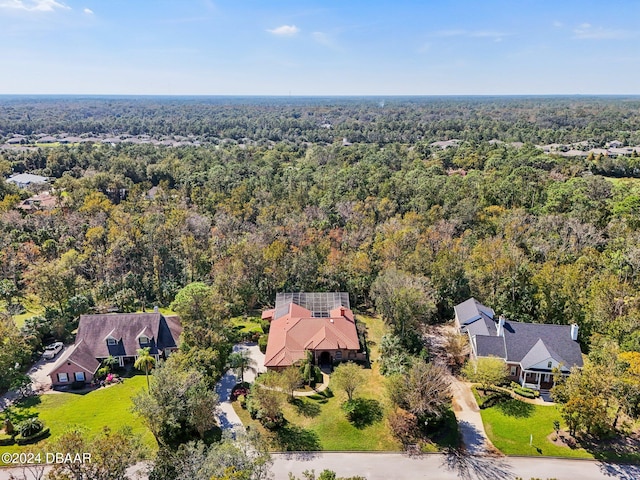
[319, 303]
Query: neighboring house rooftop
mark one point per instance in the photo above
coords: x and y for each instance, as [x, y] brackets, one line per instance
[471, 310]
[525, 343]
[23, 179]
[125, 328]
[81, 355]
[42, 200]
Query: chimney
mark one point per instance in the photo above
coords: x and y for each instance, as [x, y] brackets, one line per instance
[501, 321]
[574, 332]
[155, 309]
[342, 311]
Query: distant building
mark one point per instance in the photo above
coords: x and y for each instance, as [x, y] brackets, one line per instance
[41, 201]
[24, 180]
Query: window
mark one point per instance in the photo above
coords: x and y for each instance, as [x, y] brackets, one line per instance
[111, 341]
[514, 370]
[144, 340]
[63, 377]
[339, 355]
[549, 364]
[352, 354]
[79, 376]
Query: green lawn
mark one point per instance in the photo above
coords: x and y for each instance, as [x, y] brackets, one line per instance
[247, 324]
[319, 423]
[110, 406]
[509, 425]
[32, 306]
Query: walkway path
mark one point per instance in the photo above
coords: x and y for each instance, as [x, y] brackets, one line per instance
[465, 407]
[317, 389]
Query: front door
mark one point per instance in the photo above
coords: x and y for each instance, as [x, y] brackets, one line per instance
[325, 358]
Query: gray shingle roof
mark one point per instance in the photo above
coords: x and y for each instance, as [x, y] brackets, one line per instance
[471, 310]
[528, 342]
[488, 346]
[80, 354]
[126, 328]
[524, 343]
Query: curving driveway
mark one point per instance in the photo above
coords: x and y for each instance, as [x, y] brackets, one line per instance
[227, 417]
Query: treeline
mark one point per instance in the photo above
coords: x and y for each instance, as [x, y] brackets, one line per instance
[536, 237]
[538, 120]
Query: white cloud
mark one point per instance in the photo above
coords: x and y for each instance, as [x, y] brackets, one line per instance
[586, 31]
[33, 5]
[88, 11]
[285, 30]
[558, 24]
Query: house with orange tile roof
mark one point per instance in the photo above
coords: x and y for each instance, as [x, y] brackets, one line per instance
[322, 323]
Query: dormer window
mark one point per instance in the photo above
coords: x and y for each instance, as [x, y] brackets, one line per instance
[144, 340]
[111, 341]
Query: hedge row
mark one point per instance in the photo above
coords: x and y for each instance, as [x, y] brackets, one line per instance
[33, 438]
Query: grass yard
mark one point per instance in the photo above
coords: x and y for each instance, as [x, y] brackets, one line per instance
[510, 424]
[247, 324]
[32, 306]
[110, 406]
[319, 423]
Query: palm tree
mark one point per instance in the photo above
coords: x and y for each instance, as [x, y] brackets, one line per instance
[110, 362]
[241, 361]
[145, 361]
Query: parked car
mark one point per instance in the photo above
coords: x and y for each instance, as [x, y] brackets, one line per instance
[52, 350]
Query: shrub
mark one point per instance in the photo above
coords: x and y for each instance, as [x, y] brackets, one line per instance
[22, 440]
[262, 343]
[6, 439]
[403, 425]
[77, 385]
[30, 427]
[493, 399]
[265, 324]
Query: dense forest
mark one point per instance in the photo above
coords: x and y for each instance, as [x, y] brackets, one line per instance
[538, 237]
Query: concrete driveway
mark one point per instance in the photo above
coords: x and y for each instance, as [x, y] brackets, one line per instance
[40, 371]
[41, 383]
[227, 417]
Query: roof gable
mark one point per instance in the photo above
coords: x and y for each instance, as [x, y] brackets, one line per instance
[126, 329]
[290, 335]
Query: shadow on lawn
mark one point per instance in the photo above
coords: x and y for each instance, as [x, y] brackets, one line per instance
[291, 438]
[305, 408]
[322, 397]
[363, 412]
[516, 408]
[483, 468]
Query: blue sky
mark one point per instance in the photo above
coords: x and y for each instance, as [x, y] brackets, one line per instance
[330, 47]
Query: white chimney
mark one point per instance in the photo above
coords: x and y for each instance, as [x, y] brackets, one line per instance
[574, 332]
[501, 321]
[155, 309]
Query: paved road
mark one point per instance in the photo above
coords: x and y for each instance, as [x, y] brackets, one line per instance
[396, 466]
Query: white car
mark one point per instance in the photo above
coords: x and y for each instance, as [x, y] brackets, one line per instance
[52, 350]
